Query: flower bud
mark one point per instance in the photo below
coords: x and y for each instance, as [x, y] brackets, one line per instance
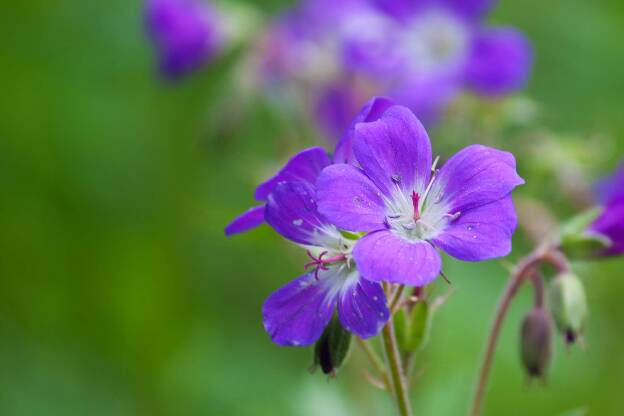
[569, 306]
[535, 342]
[332, 347]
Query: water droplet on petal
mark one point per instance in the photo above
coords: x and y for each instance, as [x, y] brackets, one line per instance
[297, 222]
[396, 178]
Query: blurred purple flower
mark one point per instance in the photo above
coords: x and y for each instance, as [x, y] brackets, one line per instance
[465, 208]
[185, 33]
[305, 167]
[610, 223]
[297, 313]
[420, 53]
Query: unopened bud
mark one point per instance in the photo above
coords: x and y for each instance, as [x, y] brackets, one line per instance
[569, 306]
[332, 347]
[535, 342]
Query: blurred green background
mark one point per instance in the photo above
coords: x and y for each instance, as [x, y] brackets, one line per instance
[119, 294]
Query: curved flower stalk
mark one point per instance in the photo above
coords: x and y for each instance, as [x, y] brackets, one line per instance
[186, 34]
[589, 235]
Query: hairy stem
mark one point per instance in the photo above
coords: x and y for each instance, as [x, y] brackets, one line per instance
[525, 269]
[375, 361]
[398, 381]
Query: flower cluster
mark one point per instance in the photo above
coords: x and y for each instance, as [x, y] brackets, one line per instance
[378, 212]
[420, 53]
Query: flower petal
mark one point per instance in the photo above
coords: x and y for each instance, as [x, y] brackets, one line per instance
[611, 224]
[291, 211]
[481, 233]
[394, 151]
[384, 256]
[476, 175]
[500, 62]
[297, 313]
[362, 308]
[249, 219]
[302, 167]
[612, 187]
[348, 199]
[471, 9]
[371, 111]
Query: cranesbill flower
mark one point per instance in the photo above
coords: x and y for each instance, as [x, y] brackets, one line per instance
[409, 208]
[305, 167]
[297, 313]
[610, 223]
[186, 34]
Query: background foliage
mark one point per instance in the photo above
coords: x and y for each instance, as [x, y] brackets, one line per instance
[119, 294]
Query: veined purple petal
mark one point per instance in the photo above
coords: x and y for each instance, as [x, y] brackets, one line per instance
[297, 313]
[185, 32]
[249, 219]
[500, 61]
[481, 233]
[291, 211]
[371, 111]
[394, 151]
[348, 199]
[611, 224]
[476, 175]
[384, 256]
[302, 167]
[362, 308]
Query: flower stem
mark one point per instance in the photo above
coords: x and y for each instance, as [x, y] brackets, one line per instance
[375, 361]
[398, 382]
[525, 269]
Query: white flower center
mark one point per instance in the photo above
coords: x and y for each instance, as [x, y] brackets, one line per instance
[436, 42]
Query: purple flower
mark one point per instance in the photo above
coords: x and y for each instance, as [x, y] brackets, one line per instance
[297, 313]
[419, 53]
[305, 167]
[610, 223]
[185, 33]
[409, 209]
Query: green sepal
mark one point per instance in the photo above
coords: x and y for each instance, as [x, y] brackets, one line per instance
[332, 348]
[576, 241]
[412, 327]
[568, 304]
[583, 246]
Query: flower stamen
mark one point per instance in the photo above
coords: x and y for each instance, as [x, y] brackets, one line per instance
[320, 263]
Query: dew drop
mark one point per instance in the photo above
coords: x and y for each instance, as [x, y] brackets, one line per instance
[470, 228]
[381, 314]
[396, 178]
[297, 222]
[375, 298]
